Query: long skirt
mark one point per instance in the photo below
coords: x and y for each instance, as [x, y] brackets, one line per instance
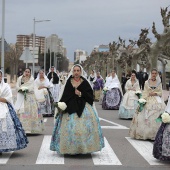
[14, 138]
[31, 119]
[144, 125]
[55, 92]
[125, 113]
[45, 107]
[51, 102]
[112, 99]
[97, 95]
[74, 135]
[161, 148]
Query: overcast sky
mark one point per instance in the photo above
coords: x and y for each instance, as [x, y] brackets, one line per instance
[82, 23]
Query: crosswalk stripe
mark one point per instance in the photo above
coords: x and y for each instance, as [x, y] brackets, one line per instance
[145, 149]
[46, 156]
[115, 125]
[5, 157]
[106, 156]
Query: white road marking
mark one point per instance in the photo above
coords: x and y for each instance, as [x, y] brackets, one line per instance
[5, 157]
[46, 156]
[113, 127]
[116, 125]
[106, 156]
[145, 149]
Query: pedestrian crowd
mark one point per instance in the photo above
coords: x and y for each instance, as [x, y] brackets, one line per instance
[70, 99]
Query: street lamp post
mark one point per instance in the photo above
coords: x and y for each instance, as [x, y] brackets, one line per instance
[33, 63]
[50, 51]
[2, 39]
[45, 55]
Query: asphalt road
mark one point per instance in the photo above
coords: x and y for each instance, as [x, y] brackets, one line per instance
[120, 152]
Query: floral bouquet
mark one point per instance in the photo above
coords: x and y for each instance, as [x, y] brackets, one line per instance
[164, 117]
[142, 103]
[105, 89]
[24, 91]
[60, 108]
[138, 93]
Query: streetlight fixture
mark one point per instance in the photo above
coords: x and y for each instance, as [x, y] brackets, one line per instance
[35, 21]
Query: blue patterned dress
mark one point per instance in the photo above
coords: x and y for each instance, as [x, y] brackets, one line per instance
[14, 138]
[74, 133]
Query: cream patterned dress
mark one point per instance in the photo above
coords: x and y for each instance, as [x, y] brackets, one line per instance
[128, 106]
[144, 125]
[31, 119]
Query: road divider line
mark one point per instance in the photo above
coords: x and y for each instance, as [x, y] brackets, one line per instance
[46, 156]
[106, 156]
[145, 149]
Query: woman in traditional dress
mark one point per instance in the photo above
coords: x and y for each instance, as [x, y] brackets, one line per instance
[12, 135]
[129, 103]
[54, 79]
[26, 104]
[161, 147]
[42, 94]
[98, 86]
[77, 131]
[92, 77]
[113, 96]
[143, 125]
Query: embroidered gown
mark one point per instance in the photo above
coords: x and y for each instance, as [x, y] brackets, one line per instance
[143, 125]
[12, 135]
[27, 109]
[129, 103]
[45, 106]
[113, 97]
[78, 130]
[161, 147]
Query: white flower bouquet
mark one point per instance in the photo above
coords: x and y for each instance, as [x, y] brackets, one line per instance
[60, 108]
[141, 103]
[105, 89]
[164, 117]
[24, 91]
[138, 93]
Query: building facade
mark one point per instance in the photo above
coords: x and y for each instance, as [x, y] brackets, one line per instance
[80, 55]
[27, 41]
[55, 44]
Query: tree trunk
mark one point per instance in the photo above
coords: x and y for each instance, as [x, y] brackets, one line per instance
[164, 62]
